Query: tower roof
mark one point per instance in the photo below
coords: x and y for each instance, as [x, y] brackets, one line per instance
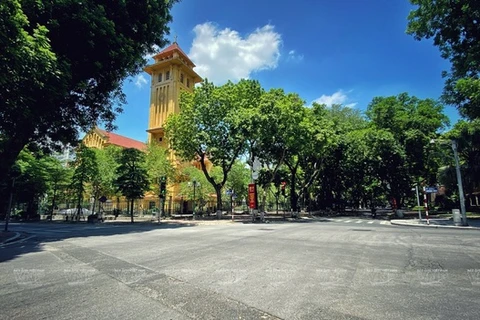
[168, 51]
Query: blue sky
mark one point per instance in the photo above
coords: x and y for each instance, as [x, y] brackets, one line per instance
[332, 51]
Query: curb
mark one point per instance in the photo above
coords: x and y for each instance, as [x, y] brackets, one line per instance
[402, 224]
[11, 239]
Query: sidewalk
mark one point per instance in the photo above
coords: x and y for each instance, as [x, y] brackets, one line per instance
[436, 223]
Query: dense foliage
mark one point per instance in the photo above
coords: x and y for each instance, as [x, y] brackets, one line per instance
[63, 63]
[329, 157]
[454, 26]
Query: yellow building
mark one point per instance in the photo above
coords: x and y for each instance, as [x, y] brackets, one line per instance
[171, 73]
[98, 138]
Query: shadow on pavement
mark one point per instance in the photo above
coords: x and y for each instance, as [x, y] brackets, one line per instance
[35, 234]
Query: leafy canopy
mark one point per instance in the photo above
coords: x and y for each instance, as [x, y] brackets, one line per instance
[63, 63]
[455, 29]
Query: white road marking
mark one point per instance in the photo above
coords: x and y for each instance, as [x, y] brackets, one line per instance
[358, 221]
[348, 221]
[370, 222]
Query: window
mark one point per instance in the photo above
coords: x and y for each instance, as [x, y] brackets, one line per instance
[188, 83]
[160, 77]
[167, 75]
[181, 78]
[160, 139]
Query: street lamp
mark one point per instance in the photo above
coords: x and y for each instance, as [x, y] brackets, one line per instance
[459, 179]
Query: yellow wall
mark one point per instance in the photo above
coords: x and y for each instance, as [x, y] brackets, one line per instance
[170, 75]
[94, 140]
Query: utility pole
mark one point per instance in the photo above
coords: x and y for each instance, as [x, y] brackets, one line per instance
[460, 185]
[463, 211]
[194, 200]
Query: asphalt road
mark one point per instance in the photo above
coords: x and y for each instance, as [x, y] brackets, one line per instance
[336, 269]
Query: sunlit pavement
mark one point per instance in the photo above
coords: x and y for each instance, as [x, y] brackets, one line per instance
[326, 269]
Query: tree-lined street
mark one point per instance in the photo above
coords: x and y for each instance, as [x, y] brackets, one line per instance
[309, 270]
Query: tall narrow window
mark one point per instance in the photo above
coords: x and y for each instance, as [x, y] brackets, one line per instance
[167, 75]
[160, 77]
[181, 78]
[188, 83]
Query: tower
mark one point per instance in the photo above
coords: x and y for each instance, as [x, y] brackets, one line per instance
[171, 73]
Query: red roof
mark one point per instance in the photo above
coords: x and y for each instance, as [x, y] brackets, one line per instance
[121, 141]
[171, 48]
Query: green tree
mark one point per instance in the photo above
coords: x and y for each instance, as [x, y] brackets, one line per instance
[103, 184]
[32, 182]
[86, 170]
[413, 123]
[107, 160]
[283, 134]
[63, 63]
[58, 179]
[336, 172]
[209, 127]
[203, 189]
[26, 57]
[467, 136]
[132, 177]
[158, 164]
[376, 166]
[238, 179]
[455, 29]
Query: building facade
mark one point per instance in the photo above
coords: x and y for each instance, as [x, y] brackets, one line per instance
[98, 138]
[171, 74]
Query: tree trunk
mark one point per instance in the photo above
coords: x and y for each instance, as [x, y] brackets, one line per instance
[79, 207]
[9, 151]
[131, 210]
[218, 191]
[54, 199]
[293, 195]
[94, 203]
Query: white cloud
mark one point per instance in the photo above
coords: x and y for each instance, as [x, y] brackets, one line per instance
[222, 55]
[294, 56]
[339, 97]
[140, 81]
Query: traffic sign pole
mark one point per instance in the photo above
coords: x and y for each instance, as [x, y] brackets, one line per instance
[425, 203]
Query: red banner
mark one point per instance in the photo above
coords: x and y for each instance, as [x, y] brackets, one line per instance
[252, 199]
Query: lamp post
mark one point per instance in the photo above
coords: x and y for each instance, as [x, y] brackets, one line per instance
[459, 179]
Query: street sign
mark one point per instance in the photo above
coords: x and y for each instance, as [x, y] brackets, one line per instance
[252, 197]
[431, 190]
[256, 168]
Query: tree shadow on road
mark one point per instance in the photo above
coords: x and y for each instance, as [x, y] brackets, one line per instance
[35, 235]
